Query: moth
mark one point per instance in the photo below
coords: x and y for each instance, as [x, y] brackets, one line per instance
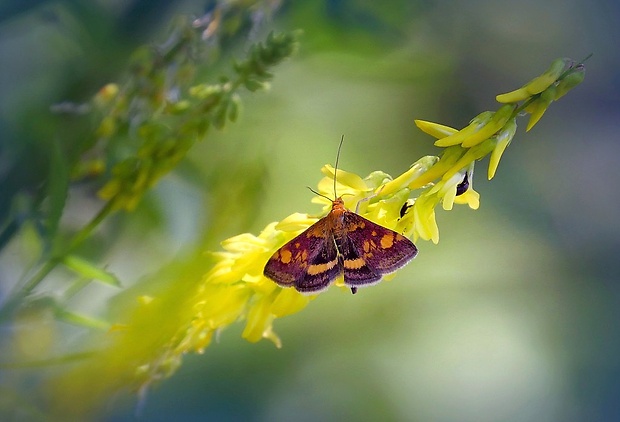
[341, 243]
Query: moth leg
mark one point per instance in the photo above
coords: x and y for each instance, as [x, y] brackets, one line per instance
[368, 198]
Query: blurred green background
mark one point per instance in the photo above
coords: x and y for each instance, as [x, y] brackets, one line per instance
[513, 316]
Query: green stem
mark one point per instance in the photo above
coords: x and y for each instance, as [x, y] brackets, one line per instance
[54, 260]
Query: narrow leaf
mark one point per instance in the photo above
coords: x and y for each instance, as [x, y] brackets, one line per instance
[81, 320]
[88, 270]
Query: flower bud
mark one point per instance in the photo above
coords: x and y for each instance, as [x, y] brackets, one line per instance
[474, 126]
[500, 117]
[536, 85]
[540, 106]
[569, 82]
[503, 139]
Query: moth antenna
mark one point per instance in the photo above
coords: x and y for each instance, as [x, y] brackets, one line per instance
[336, 166]
[319, 194]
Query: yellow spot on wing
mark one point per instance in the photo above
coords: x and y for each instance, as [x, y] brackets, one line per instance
[285, 256]
[321, 268]
[354, 264]
[387, 241]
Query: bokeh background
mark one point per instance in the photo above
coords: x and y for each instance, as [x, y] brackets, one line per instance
[513, 316]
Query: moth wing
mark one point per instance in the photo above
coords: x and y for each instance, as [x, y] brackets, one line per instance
[309, 262]
[371, 251]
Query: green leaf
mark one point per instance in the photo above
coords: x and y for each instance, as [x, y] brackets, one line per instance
[88, 270]
[81, 320]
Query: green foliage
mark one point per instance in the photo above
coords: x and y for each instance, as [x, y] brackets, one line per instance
[140, 131]
[161, 139]
[88, 270]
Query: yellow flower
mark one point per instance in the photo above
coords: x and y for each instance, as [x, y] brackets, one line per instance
[536, 85]
[570, 81]
[538, 107]
[424, 223]
[482, 127]
[235, 287]
[502, 139]
[448, 190]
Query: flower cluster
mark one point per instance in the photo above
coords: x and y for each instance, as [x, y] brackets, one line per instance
[234, 287]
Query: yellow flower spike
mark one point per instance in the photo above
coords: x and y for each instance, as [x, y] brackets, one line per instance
[500, 117]
[540, 106]
[186, 317]
[476, 124]
[569, 82]
[472, 154]
[503, 140]
[536, 85]
[435, 129]
[406, 179]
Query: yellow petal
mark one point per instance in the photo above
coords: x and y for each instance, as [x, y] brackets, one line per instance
[289, 301]
[540, 106]
[513, 96]
[424, 219]
[472, 154]
[295, 222]
[259, 320]
[345, 178]
[242, 243]
[435, 129]
[470, 197]
[448, 199]
[407, 178]
[545, 80]
[536, 85]
[503, 140]
[500, 117]
[569, 82]
[477, 123]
